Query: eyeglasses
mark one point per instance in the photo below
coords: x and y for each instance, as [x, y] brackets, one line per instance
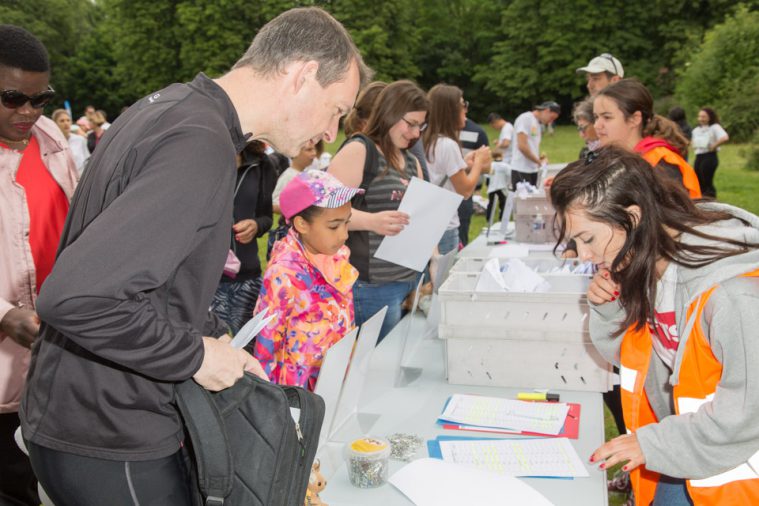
[465, 103]
[609, 57]
[421, 126]
[582, 128]
[13, 99]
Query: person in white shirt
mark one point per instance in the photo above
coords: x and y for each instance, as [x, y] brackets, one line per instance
[706, 139]
[77, 143]
[525, 142]
[447, 166]
[505, 131]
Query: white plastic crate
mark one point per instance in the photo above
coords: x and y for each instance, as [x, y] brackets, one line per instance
[541, 265]
[561, 314]
[528, 340]
[533, 218]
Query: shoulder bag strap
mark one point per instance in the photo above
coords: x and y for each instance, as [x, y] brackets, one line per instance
[209, 441]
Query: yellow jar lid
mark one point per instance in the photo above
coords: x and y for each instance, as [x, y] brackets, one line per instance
[368, 445]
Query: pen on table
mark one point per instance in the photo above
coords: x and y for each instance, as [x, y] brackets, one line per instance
[495, 243]
[538, 396]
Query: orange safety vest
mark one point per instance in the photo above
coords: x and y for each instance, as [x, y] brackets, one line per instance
[690, 180]
[700, 373]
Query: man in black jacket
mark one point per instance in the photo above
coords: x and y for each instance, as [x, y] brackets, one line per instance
[125, 310]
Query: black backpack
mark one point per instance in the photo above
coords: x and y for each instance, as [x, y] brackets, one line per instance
[246, 448]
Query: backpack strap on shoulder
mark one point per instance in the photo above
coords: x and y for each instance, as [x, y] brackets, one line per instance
[371, 166]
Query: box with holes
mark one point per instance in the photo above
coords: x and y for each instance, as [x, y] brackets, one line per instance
[524, 340]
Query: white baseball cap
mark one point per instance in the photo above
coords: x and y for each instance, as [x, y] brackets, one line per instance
[604, 63]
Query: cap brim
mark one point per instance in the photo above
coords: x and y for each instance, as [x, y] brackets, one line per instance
[339, 197]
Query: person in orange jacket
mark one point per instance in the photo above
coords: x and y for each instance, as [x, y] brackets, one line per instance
[673, 304]
[624, 113]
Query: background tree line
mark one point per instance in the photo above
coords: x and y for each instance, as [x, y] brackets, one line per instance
[506, 55]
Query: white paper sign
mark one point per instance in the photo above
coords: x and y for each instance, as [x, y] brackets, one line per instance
[430, 209]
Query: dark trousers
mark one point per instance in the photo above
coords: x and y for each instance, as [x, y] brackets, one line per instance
[466, 209]
[73, 480]
[491, 204]
[518, 177]
[18, 486]
[705, 167]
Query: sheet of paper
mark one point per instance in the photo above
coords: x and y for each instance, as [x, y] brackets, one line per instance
[517, 457]
[490, 279]
[521, 416]
[433, 482]
[518, 277]
[252, 328]
[430, 209]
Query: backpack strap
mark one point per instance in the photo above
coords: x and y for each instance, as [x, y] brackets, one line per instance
[209, 441]
[371, 166]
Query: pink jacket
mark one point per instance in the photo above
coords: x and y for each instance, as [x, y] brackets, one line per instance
[18, 285]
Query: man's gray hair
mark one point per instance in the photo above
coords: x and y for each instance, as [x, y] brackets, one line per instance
[304, 34]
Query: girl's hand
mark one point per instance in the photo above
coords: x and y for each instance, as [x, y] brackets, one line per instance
[602, 289]
[389, 222]
[620, 449]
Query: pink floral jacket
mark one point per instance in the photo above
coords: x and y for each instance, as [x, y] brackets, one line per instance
[314, 310]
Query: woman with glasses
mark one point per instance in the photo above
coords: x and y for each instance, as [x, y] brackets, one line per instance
[379, 162]
[447, 166]
[582, 114]
[37, 180]
[624, 114]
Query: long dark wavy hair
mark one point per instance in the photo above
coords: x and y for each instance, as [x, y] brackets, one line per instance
[605, 188]
[393, 102]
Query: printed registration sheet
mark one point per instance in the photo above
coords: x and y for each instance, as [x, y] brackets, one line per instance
[496, 412]
[554, 458]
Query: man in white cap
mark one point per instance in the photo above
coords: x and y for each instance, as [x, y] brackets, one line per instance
[602, 71]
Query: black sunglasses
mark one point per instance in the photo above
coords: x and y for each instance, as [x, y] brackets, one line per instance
[13, 99]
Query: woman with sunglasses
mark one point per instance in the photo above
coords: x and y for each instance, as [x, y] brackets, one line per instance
[673, 304]
[624, 113]
[445, 161]
[34, 191]
[379, 162]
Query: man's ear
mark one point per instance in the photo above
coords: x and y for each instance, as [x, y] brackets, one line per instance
[635, 213]
[303, 72]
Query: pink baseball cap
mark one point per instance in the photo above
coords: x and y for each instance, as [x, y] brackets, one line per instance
[314, 188]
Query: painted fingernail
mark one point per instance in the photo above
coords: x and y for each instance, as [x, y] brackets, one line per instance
[602, 466]
[616, 293]
[592, 458]
[613, 299]
[624, 468]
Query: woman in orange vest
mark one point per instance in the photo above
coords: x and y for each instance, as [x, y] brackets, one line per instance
[624, 113]
[674, 304]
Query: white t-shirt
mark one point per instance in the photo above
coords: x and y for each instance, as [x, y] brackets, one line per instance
[507, 131]
[529, 125]
[704, 136]
[282, 181]
[445, 161]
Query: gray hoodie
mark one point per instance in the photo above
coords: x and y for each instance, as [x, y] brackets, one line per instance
[724, 432]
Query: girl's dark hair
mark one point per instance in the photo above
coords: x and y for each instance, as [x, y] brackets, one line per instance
[631, 96]
[308, 213]
[443, 120]
[713, 118]
[605, 188]
[359, 115]
[396, 100]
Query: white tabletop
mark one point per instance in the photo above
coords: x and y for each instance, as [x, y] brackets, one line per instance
[413, 409]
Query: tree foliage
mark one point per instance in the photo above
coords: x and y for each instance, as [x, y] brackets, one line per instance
[505, 54]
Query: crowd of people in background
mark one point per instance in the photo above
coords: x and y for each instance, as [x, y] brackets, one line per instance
[322, 278]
